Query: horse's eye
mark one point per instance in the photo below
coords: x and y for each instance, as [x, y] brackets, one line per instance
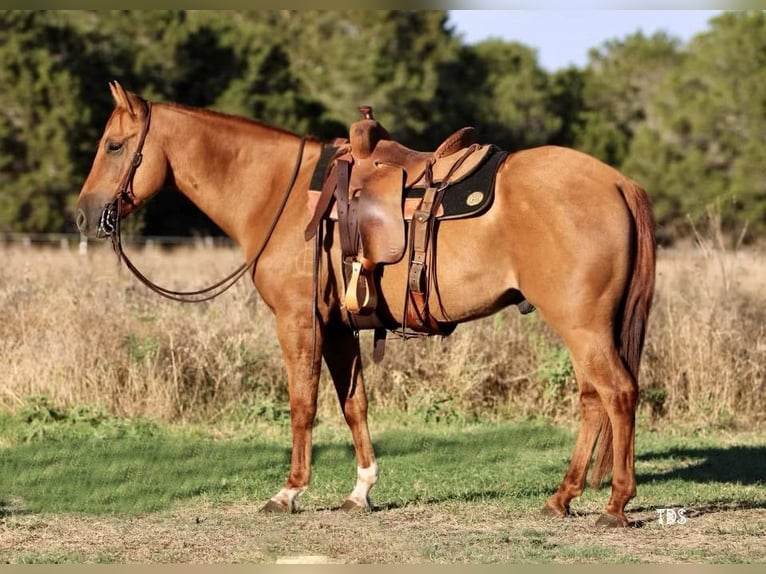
[113, 146]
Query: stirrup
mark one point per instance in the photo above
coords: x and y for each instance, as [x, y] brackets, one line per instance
[361, 296]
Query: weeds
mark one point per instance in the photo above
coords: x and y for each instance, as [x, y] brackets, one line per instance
[79, 331]
[39, 419]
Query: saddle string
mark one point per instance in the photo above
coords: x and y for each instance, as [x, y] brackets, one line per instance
[218, 288]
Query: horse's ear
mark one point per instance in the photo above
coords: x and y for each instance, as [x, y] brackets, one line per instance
[125, 99]
[120, 95]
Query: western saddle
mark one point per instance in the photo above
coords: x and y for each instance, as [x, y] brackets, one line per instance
[363, 183]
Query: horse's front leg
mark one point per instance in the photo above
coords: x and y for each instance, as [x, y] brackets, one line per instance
[343, 359]
[303, 382]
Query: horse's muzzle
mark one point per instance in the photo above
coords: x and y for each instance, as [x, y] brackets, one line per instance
[95, 219]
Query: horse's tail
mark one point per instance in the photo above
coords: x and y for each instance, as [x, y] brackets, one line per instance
[635, 310]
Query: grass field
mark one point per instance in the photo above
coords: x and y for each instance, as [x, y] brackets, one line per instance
[138, 430]
[81, 489]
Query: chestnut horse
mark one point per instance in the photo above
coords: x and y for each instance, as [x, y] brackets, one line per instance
[572, 234]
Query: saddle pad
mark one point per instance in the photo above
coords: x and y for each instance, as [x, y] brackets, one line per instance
[323, 164]
[466, 198]
[469, 196]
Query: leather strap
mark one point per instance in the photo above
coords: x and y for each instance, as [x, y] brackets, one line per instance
[326, 164]
[347, 221]
[416, 313]
[323, 204]
[421, 227]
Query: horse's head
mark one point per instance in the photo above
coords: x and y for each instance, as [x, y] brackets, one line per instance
[129, 167]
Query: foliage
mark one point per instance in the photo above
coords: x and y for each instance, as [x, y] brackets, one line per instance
[706, 145]
[41, 122]
[395, 61]
[39, 419]
[687, 122]
[511, 106]
[620, 82]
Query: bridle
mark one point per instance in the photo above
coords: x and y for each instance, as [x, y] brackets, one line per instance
[109, 226]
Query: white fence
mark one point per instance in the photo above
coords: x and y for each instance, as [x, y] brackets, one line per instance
[80, 242]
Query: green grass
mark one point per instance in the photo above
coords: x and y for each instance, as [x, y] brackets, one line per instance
[82, 461]
[448, 492]
[63, 558]
[61, 467]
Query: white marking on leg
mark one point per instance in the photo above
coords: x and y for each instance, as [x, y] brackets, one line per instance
[286, 497]
[365, 480]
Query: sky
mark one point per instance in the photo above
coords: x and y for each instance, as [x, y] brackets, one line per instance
[564, 37]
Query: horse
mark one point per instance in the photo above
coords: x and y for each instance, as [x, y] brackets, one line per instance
[571, 233]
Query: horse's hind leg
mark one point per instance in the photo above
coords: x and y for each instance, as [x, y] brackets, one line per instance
[343, 358]
[591, 414]
[595, 356]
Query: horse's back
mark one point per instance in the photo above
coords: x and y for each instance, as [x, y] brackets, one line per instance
[559, 170]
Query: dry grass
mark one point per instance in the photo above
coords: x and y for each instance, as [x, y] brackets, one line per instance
[79, 330]
[706, 351]
[431, 533]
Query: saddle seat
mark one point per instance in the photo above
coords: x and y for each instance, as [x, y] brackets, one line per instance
[383, 168]
[371, 145]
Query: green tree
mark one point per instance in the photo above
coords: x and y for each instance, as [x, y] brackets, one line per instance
[566, 101]
[392, 60]
[510, 95]
[621, 78]
[705, 147]
[41, 121]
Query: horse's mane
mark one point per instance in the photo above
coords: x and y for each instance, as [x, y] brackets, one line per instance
[229, 117]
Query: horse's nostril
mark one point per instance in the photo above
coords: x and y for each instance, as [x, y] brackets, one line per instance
[81, 220]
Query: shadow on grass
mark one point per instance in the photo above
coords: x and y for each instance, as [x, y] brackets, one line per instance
[736, 465]
[696, 510]
[523, 462]
[8, 509]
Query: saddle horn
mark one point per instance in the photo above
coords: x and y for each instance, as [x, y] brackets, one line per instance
[366, 133]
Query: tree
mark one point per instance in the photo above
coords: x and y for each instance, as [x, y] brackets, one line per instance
[706, 144]
[566, 101]
[391, 60]
[41, 121]
[511, 104]
[620, 80]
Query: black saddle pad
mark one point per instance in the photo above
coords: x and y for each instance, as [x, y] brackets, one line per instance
[472, 195]
[468, 197]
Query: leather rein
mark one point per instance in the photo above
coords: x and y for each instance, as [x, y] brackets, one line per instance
[109, 225]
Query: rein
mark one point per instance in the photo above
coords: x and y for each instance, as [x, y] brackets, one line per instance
[110, 225]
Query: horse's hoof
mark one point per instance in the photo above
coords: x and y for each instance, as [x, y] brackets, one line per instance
[274, 507]
[611, 521]
[553, 512]
[354, 506]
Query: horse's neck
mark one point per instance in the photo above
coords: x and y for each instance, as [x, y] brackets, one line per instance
[226, 166]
